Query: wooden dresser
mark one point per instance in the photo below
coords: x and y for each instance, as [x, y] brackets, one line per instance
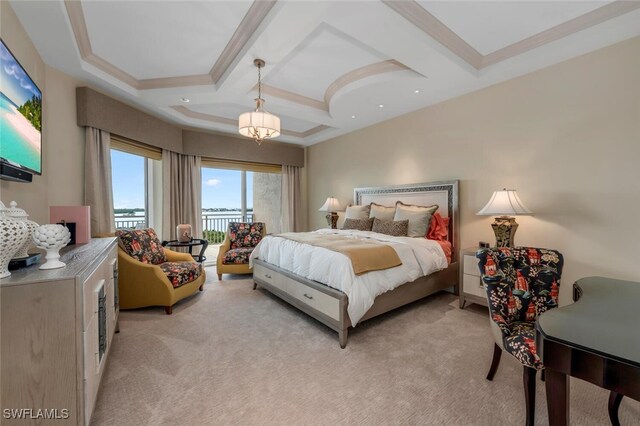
[56, 328]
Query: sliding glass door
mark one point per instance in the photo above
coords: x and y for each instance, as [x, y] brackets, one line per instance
[231, 196]
[224, 200]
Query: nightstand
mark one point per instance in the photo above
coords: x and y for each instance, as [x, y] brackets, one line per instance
[471, 288]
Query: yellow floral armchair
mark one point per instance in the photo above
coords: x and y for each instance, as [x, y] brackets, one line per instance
[151, 275]
[241, 239]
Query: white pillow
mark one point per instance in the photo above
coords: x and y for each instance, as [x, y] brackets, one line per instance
[419, 217]
[357, 212]
[382, 212]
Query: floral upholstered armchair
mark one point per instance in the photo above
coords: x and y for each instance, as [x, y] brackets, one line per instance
[151, 275]
[521, 283]
[241, 239]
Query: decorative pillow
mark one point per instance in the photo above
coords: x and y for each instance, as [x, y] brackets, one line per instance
[358, 224]
[391, 227]
[357, 212]
[439, 228]
[419, 217]
[245, 234]
[142, 244]
[382, 212]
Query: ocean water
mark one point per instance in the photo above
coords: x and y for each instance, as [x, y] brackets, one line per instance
[13, 146]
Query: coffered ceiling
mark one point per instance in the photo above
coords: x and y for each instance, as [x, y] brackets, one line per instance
[331, 67]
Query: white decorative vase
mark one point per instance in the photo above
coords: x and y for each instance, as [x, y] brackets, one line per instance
[52, 238]
[20, 215]
[13, 234]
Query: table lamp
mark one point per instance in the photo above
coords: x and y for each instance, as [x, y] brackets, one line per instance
[332, 206]
[504, 204]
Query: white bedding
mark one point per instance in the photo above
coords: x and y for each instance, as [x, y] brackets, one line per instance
[419, 257]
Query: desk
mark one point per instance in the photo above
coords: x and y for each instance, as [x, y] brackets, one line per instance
[596, 339]
[194, 242]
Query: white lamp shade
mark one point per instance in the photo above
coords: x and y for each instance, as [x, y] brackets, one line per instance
[331, 205]
[259, 124]
[504, 202]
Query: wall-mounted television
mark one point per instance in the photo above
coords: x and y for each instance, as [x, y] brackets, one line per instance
[20, 120]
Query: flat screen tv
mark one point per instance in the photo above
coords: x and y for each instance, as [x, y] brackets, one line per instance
[20, 119]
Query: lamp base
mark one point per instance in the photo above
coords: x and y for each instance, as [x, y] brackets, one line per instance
[332, 220]
[505, 229]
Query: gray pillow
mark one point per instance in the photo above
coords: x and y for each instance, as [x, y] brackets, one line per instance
[395, 228]
[358, 224]
[382, 212]
[419, 217]
[357, 212]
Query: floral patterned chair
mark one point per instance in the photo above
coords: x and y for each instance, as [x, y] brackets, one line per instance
[151, 275]
[241, 238]
[521, 283]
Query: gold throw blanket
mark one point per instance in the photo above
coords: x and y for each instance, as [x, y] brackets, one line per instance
[365, 255]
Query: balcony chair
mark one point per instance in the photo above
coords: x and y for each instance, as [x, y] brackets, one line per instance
[151, 275]
[521, 283]
[239, 242]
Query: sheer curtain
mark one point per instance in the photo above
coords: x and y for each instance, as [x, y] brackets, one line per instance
[98, 192]
[291, 199]
[182, 201]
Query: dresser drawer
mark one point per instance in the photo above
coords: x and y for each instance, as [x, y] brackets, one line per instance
[473, 285]
[317, 300]
[471, 265]
[89, 293]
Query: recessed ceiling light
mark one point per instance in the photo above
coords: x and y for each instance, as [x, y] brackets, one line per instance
[380, 106]
[185, 100]
[353, 116]
[416, 91]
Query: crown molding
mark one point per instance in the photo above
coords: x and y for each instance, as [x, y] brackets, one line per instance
[430, 25]
[223, 120]
[247, 27]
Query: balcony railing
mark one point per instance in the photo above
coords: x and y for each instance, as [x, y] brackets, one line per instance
[130, 222]
[214, 225]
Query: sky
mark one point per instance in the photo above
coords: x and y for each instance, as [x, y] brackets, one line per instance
[220, 188]
[16, 84]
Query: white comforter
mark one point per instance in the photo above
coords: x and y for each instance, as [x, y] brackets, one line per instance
[419, 257]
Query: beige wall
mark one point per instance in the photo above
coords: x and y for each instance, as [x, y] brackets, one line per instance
[566, 137]
[63, 142]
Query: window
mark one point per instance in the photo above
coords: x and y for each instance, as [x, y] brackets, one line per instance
[136, 178]
[238, 196]
[223, 201]
[129, 182]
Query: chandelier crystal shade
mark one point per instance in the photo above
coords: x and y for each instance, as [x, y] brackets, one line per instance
[259, 124]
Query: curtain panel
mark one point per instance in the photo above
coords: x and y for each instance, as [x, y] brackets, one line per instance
[98, 193]
[291, 199]
[182, 203]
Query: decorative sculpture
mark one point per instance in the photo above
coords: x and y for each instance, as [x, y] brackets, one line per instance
[52, 238]
[13, 234]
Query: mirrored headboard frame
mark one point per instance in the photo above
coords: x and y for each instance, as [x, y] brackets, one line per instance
[427, 193]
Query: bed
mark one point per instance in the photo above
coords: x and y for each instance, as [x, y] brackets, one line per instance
[325, 301]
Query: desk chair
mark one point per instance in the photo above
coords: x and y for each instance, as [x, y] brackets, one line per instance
[521, 283]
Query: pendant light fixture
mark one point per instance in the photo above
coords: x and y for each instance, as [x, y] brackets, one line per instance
[259, 124]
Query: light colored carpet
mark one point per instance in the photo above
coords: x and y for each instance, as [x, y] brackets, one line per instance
[232, 355]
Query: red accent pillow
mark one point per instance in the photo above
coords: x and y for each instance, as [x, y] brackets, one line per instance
[438, 228]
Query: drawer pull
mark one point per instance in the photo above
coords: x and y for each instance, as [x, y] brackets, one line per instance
[307, 296]
[267, 275]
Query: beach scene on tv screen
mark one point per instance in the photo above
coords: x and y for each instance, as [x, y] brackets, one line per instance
[20, 115]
